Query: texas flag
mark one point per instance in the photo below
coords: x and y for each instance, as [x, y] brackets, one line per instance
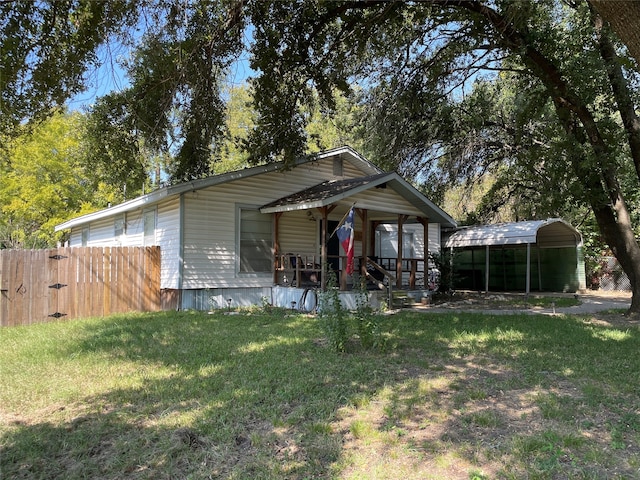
[345, 234]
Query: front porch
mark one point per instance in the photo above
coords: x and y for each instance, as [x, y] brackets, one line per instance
[305, 270]
[393, 227]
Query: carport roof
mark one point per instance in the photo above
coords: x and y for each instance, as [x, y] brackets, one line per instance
[553, 232]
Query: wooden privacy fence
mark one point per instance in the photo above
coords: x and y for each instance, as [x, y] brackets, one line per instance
[43, 285]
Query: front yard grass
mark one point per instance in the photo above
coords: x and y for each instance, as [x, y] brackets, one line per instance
[262, 395]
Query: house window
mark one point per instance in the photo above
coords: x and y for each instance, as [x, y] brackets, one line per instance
[338, 166]
[149, 218]
[387, 244]
[255, 241]
[119, 228]
[85, 236]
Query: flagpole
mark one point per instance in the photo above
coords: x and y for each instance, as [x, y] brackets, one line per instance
[341, 221]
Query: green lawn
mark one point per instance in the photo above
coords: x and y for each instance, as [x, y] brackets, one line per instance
[251, 396]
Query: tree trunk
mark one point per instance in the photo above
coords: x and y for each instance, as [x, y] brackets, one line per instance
[624, 248]
[601, 186]
[620, 89]
[624, 16]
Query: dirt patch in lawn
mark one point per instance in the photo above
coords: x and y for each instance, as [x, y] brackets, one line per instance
[470, 420]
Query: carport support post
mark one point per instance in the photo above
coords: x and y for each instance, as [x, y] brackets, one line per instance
[528, 289]
[486, 271]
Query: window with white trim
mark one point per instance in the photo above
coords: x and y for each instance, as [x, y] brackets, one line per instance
[119, 228]
[255, 241]
[387, 244]
[149, 219]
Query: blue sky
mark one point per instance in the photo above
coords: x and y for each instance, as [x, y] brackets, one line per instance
[110, 76]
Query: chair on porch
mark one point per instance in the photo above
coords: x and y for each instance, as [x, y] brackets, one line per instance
[310, 274]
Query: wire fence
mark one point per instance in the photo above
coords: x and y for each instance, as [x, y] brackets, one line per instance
[608, 275]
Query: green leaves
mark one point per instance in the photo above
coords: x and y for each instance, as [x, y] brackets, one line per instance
[45, 49]
[44, 182]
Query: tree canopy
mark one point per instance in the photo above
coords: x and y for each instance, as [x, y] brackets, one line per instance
[44, 180]
[540, 94]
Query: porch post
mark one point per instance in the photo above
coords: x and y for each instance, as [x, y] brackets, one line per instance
[324, 211]
[323, 249]
[425, 233]
[276, 245]
[363, 214]
[401, 220]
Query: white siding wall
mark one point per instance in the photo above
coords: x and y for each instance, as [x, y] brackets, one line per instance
[299, 233]
[210, 235]
[134, 234]
[101, 233]
[418, 236]
[75, 239]
[385, 200]
[168, 237]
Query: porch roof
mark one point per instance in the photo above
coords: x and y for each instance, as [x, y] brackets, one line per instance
[332, 191]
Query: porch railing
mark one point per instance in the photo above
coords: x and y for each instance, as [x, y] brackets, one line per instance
[299, 269]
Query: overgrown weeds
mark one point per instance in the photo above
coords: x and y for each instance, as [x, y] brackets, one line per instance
[343, 327]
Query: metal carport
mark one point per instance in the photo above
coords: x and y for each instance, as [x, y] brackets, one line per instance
[556, 243]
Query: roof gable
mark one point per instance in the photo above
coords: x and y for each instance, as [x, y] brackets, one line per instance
[330, 192]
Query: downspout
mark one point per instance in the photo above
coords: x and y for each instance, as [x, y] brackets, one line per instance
[181, 251]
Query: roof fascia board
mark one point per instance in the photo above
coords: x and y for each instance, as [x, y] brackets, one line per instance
[158, 195]
[166, 192]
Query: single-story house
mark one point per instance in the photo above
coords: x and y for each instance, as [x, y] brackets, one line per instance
[263, 233]
[544, 255]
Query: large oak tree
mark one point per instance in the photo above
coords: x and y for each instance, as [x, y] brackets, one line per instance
[424, 54]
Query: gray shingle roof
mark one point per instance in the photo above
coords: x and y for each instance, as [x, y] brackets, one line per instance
[324, 191]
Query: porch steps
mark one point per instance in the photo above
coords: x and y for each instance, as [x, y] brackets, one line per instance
[400, 299]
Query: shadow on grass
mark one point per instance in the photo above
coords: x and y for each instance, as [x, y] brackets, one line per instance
[193, 394]
[258, 396]
[528, 397]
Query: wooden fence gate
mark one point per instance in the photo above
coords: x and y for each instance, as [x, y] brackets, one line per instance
[44, 285]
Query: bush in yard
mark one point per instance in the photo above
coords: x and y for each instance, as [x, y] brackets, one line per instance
[367, 322]
[336, 320]
[333, 316]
